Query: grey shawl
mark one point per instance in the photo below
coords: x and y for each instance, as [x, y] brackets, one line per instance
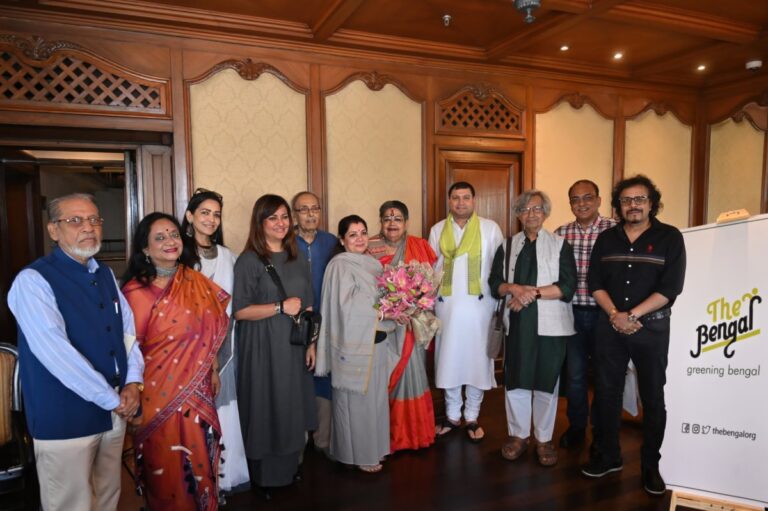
[345, 347]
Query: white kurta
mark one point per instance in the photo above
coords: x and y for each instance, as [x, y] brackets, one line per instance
[460, 350]
[235, 469]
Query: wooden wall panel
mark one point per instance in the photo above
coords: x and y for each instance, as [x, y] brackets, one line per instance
[156, 176]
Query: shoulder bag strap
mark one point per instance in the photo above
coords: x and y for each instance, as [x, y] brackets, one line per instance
[507, 258]
[272, 272]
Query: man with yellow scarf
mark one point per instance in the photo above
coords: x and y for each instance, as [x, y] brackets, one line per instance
[465, 245]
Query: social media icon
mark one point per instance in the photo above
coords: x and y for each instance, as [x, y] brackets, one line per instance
[705, 430]
[696, 429]
[686, 427]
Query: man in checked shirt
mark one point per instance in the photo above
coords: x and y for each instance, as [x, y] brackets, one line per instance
[584, 197]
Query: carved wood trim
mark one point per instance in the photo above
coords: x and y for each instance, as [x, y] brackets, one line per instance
[248, 70]
[754, 109]
[660, 108]
[577, 100]
[374, 81]
[479, 110]
[62, 76]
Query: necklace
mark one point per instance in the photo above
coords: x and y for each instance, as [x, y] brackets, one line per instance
[209, 252]
[164, 272]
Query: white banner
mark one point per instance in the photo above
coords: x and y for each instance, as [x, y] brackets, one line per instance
[716, 440]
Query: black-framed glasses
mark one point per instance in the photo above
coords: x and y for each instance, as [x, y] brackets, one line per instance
[638, 200]
[77, 221]
[305, 210]
[205, 190]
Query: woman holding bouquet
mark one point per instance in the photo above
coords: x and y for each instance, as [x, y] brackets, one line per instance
[411, 416]
[356, 346]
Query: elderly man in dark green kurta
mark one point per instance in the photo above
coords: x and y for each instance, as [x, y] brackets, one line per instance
[538, 288]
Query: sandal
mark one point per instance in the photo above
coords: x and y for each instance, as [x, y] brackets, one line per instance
[370, 469]
[514, 448]
[472, 428]
[446, 427]
[547, 453]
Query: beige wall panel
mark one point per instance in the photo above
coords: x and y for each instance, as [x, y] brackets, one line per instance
[374, 141]
[572, 144]
[248, 138]
[735, 168]
[660, 147]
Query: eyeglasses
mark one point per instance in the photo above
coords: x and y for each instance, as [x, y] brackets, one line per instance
[529, 210]
[205, 190]
[77, 221]
[305, 210]
[638, 200]
[584, 198]
[393, 219]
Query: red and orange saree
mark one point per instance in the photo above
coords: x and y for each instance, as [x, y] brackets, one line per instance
[179, 329]
[411, 415]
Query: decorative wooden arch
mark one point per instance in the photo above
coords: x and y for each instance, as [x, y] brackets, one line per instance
[479, 110]
[375, 81]
[577, 100]
[754, 110]
[61, 76]
[660, 108]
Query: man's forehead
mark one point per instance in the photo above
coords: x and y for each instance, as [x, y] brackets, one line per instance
[75, 206]
[461, 192]
[306, 199]
[632, 190]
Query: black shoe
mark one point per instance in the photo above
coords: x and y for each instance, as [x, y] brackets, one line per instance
[571, 438]
[652, 481]
[598, 467]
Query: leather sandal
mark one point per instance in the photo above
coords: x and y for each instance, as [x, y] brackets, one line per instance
[472, 428]
[446, 428]
[547, 453]
[514, 448]
[370, 469]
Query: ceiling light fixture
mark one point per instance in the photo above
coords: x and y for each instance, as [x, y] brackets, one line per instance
[618, 55]
[526, 7]
[701, 67]
[565, 47]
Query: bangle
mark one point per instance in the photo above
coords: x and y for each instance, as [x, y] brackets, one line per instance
[278, 308]
[613, 312]
[631, 317]
[282, 311]
[381, 315]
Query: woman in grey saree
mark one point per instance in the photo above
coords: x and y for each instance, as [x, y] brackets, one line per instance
[357, 347]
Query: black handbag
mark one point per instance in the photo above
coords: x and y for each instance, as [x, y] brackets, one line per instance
[306, 324]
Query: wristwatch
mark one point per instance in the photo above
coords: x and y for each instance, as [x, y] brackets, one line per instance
[631, 317]
[538, 293]
[278, 307]
[139, 386]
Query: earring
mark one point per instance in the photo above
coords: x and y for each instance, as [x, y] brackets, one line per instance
[190, 231]
[146, 257]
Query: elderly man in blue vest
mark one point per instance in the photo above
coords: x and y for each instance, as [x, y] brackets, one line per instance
[81, 369]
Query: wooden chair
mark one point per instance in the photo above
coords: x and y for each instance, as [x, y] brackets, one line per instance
[18, 481]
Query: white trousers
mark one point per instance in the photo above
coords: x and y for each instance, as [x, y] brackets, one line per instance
[522, 403]
[83, 473]
[453, 403]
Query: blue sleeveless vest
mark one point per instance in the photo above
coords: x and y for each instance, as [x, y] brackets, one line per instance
[95, 328]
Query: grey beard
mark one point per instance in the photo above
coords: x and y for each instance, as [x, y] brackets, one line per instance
[85, 253]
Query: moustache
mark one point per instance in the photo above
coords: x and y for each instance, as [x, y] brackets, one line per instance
[635, 211]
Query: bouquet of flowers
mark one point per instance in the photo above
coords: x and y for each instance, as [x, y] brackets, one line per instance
[409, 291]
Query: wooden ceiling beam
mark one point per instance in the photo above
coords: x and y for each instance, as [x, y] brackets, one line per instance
[334, 17]
[684, 22]
[683, 60]
[548, 26]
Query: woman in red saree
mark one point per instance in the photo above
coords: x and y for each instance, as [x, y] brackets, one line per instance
[411, 416]
[181, 321]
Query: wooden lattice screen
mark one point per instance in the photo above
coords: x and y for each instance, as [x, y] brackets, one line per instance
[68, 82]
[479, 112]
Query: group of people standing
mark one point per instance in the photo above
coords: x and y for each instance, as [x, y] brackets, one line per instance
[194, 354]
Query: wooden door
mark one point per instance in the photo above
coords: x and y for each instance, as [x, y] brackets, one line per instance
[21, 234]
[496, 178]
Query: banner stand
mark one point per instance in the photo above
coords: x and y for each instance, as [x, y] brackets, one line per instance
[691, 501]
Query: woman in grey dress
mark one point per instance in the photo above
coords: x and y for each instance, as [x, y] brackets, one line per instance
[357, 346]
[275, 392]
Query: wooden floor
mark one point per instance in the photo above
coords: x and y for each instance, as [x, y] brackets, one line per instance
[456, 475]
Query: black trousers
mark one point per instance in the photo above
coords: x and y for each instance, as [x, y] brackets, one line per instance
[648, 349]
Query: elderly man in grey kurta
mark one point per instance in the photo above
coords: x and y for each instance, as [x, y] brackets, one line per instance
[538, 291]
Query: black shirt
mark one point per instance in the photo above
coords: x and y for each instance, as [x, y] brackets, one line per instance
[631, 272]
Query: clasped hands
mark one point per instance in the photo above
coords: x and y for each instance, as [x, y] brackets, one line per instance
[129, 402]
[621, 323]
[522, 296]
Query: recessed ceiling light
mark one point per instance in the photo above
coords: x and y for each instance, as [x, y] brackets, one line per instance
[618, 55]
[701, 67]
[565, 47]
